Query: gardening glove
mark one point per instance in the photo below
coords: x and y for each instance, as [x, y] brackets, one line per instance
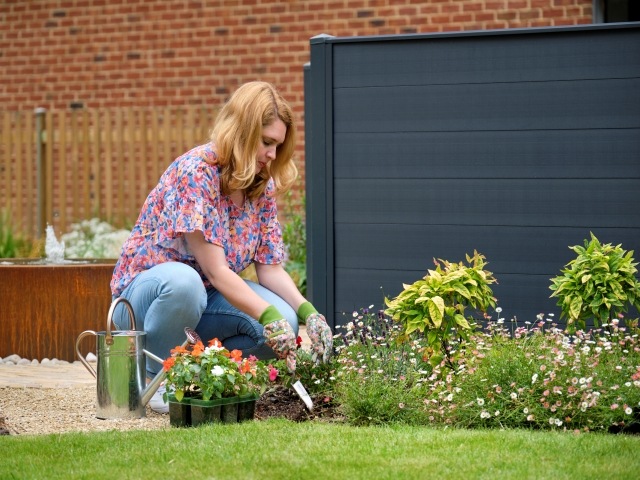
[318, 331]
[279, 336]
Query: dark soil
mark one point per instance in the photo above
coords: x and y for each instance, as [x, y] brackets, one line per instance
[282, 402]
[3, 427]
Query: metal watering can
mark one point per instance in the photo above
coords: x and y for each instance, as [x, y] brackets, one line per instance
[122, 367]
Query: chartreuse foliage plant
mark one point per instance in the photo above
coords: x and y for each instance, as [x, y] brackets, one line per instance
[599, 284]
[437, 304]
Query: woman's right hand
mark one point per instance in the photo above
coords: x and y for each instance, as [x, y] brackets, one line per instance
[281, 339]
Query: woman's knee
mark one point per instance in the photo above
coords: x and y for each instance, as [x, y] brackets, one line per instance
[170, 288]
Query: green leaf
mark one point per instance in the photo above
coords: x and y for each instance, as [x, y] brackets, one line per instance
[462, 290]
[435, 360]
[575, 307]
[461, 321]
[179, 394]
[436, 310]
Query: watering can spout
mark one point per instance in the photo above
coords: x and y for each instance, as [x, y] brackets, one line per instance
[192, 338]
[155, 383]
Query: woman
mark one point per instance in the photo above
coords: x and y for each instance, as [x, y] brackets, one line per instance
[212, 214]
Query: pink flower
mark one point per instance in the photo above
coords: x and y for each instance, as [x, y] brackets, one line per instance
[273, 373]
[614, 406]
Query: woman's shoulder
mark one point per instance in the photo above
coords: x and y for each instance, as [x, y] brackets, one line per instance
[205, 153]
[199, 160]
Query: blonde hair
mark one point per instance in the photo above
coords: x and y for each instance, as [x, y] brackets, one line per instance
[237, 134]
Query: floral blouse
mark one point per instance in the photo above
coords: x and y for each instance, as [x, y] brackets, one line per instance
[188, 198]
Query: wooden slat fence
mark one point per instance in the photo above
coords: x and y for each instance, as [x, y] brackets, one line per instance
[60, 167]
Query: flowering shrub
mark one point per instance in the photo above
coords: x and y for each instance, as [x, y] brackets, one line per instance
[541, 377]
[380, 379]
[528, 376]
[93, 239]
[215, 372]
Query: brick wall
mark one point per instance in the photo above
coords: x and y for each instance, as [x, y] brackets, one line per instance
[108, 53]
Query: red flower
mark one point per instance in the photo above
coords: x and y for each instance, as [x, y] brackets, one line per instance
[273, 373]
[236, 355]
[179, 350]
[298, 341]
[168, 363]
[245, 366]
[197, 350]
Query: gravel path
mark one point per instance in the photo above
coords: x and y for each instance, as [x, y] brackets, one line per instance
[37, 411]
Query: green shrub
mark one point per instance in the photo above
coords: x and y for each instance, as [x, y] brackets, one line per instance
[436, 305]
[598, 284]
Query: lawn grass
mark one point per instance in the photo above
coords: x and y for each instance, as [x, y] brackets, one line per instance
[279, 449]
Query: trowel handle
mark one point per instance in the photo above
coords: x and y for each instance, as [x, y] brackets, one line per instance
[112, 308]
[82, 359]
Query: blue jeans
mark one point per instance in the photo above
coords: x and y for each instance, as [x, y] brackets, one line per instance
[169, 297]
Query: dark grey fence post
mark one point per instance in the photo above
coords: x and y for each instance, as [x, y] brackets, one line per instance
[319, 171]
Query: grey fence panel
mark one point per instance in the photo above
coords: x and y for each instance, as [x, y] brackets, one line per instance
[585, 104]
[539, 250]
[517, 202]
[502, 154]
[486, 57]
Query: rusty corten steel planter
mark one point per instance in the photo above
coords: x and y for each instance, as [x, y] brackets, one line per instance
[44, 307]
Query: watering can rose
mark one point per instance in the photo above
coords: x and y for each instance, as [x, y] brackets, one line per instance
[215, 372]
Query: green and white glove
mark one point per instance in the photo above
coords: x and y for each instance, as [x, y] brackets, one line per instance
[279, 336]
[319, 332]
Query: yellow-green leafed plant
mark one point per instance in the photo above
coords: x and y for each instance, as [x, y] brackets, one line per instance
[600, 283]
[436, 304]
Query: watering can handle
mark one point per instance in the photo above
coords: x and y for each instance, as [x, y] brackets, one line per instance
[82, 359]
[114, 304]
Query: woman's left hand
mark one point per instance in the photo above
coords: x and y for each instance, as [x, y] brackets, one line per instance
[320, 336]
